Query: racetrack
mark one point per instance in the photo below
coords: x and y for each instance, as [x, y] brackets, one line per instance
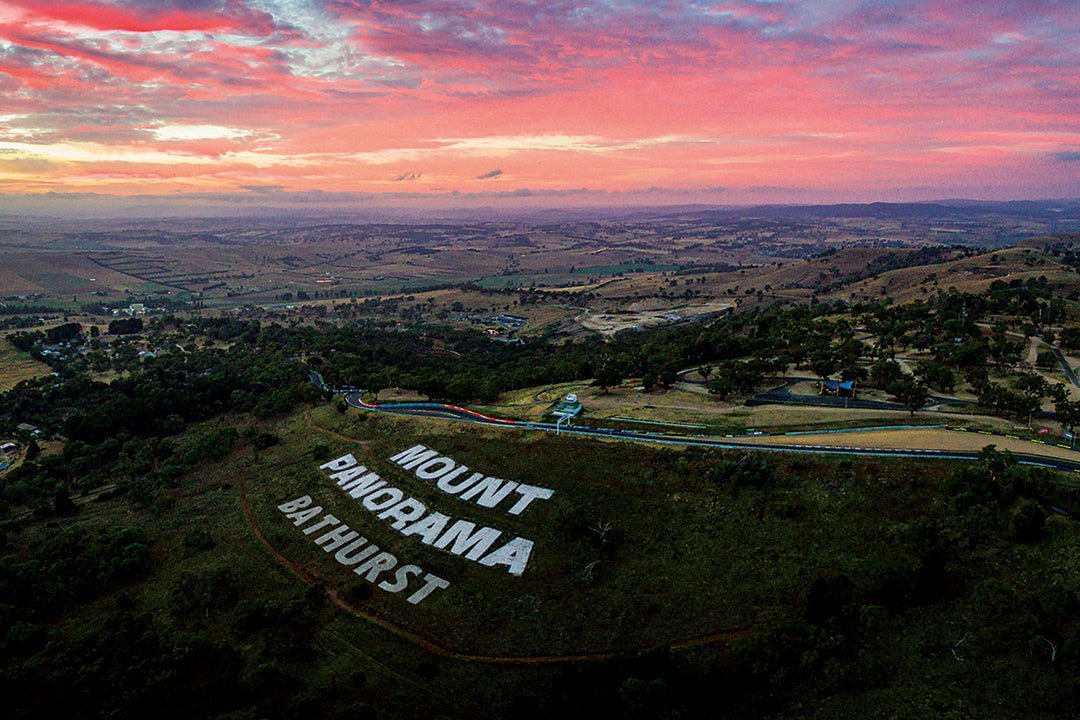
[943, 444]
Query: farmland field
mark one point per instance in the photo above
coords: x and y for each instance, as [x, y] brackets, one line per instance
[16, 366]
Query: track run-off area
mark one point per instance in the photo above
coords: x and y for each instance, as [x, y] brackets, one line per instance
[940, 442]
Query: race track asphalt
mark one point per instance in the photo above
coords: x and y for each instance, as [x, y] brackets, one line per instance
[460, 414]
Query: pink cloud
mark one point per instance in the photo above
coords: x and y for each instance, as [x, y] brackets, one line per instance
[142, 17]
[332, 93]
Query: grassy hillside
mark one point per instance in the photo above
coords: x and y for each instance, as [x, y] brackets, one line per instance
[724, 585]
[871, 273]
[970, 275]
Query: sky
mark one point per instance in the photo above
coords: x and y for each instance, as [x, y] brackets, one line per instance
[619, 102]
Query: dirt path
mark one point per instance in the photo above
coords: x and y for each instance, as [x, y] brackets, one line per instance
[1033, 351]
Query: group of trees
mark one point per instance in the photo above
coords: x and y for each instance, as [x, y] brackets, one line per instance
[126, 326]
[264, 369]
[735, 353]
[956, 589]
[69, 566]
[258, 374]
[132, 663]
[29, 341]
[121, 431]
[737, 377]
[911, 391]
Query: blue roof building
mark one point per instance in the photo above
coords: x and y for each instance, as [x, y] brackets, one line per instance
[838, 388]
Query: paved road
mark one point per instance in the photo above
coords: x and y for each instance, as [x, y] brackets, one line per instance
[454, 412]
[782, 395]
[317, 380]
[1069, 372]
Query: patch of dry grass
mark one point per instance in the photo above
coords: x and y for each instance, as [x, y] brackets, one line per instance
[16, 366]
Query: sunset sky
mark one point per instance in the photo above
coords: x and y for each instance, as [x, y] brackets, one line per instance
[593, 101]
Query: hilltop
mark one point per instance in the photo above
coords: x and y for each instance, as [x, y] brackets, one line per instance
[1022, 264]
[853, 274]
[764, 579]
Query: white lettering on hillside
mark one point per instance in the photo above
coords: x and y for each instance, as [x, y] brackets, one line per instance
[489, 492]
[365, 559]
[411, 517]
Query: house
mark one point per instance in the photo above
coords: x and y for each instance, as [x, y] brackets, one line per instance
[837, 388]
[29, 429]
[9, 447]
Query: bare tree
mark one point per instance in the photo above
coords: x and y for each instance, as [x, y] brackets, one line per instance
[602, 530]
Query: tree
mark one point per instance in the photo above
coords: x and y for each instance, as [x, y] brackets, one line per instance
[883, 348]
[797, 353]
[937, 375]
[62, 503]
[608, 375]
[199, 594]
[884, 373]
[823, 363]
[667, 374]
[745, 376]
[912, 393]
[1033, 389]
[1028, 521]
[705, 371]
[1068, 414]
[63, 333]
[850, 351]
[1070, 338]
[720, 386]
[126, 326]
[1002, 400]
[1046, 359]
[1005, 351]
[748, 470]
[376, 383]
